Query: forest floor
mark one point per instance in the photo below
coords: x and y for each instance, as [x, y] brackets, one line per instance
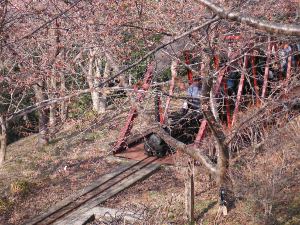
[33, 180]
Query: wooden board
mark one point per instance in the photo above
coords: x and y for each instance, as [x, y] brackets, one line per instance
[87, 189]
[75, 217]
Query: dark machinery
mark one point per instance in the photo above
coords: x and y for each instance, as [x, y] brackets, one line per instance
[182, 125]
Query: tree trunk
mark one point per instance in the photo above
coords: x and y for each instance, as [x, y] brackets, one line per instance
[103, 99]
[64, 104]
[90, 79]
[43, 138]
[3, 140]
[223, 179]
[52, 109]
[116, 69]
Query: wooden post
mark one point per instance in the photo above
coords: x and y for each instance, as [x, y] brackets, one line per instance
[190, 193]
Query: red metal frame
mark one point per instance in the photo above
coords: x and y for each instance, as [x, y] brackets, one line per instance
[240, 89]
[133, 111]
[201, 132]
[216, 62]
[233, 37]
[187, 61]
[161, 115]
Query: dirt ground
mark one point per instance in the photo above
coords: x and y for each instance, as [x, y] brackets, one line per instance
[33, 179]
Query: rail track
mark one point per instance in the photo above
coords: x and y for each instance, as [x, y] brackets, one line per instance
[69, 210]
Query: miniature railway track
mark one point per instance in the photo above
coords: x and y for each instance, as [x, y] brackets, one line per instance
[68, 210]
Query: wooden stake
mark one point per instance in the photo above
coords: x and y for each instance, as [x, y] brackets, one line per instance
[190, 193]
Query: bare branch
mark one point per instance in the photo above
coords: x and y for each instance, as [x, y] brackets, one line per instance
[271, 27]
[150, 53]
[188, 149]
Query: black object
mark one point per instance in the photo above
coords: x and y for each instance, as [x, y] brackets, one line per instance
[155, 146]
[223, 197]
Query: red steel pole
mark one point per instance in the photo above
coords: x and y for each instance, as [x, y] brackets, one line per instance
[240, 89]
[187, 61]
[201, 132]
[133, 111]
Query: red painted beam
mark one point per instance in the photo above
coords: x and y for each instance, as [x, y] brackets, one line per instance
[126, 130]
[120, 144]
[240, 89]
[201, 132]
[187, 61]
[233, 37]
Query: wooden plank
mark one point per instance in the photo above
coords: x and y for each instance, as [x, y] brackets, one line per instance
[87, 189]
[143, 173]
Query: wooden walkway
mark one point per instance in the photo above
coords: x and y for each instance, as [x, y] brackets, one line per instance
[72, 209]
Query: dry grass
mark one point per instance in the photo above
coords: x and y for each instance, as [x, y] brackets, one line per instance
[33, 179]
